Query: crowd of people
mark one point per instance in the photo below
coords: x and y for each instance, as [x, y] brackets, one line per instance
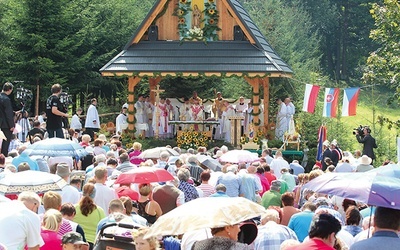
[294, 217]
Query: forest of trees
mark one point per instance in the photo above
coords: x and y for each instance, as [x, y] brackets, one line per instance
[333, 43]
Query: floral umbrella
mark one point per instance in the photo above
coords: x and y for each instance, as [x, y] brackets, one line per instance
[207, 212]
[36, 181]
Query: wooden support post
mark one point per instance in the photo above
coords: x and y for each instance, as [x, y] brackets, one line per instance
[255, 83]
[265, 83]
[132, 82]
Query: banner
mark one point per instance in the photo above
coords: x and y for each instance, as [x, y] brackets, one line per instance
[350, 99]
[331, 102]
[310, 98]
[321, 138]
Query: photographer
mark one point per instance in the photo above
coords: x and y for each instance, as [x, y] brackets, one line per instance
[363, 136]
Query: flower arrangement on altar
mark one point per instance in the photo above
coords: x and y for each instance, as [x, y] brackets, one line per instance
[192, 139]
[195, 34]
[253, 136]
[291, 136]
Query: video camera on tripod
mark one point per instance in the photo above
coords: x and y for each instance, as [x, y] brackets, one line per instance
[23, 96]
[65, 100]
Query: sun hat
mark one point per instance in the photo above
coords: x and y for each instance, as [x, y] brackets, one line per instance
[73, 238]
[276, 185]
[102, 137]
[218, 154]
[63, 170]
[365, 160]
[89, 149]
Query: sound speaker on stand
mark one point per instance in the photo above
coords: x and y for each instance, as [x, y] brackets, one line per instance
[238, 34]
[153, 33]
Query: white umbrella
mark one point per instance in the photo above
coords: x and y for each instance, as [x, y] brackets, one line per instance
[3, 198]
[210, 212]
[155, 153]
[36, 181]
[56, 147]
[238, 156]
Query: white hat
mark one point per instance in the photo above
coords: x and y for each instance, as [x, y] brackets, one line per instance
[125, 106]
[365, 160]
[326, 143]
[334, 142]
[218, 154]
[89, 149]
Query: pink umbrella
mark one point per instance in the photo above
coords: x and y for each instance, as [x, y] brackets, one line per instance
[144, 175]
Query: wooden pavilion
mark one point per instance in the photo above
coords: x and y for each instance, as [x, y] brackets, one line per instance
[227, 43]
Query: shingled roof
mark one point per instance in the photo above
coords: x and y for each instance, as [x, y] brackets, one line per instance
[252, 57]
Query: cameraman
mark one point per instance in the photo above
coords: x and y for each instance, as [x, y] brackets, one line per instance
[54, 115]
[368, 141]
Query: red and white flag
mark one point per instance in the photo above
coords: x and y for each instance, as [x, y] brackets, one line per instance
[350, 99]
[310, 98]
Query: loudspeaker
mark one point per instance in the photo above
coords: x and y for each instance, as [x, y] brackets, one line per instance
[238, 34]
[153, 33]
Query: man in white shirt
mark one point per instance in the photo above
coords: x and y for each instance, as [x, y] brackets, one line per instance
[104, 194]
[92, 123]
[278, 164]
[19, 223]
[69, 193]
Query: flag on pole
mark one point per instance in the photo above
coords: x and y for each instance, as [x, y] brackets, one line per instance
[331, 102]
[321, 139]
[350, 99]
[310, 98]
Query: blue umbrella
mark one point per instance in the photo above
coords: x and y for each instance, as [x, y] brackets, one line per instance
[392, 170]
[370, 188]
[56, 147]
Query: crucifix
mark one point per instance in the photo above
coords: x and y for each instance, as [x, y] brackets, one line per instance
[157, 92]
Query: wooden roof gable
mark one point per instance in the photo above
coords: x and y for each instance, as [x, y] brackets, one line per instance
[157, 48]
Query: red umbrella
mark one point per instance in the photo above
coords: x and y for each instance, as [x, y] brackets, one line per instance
[144, 175]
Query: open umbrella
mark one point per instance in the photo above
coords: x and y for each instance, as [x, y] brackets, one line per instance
[392, 170]
[238, 156]
[56, 147]
[36, 181]
[209, 162]
[3, 198]
[154, 153]
[144, 175]
[207, 212]
[370, 188]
